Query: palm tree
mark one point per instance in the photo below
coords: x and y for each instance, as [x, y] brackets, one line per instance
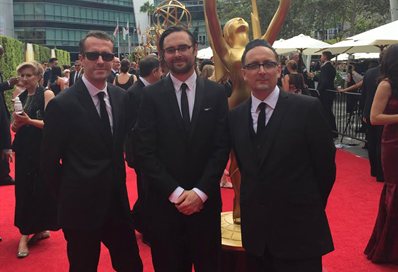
[148, 9]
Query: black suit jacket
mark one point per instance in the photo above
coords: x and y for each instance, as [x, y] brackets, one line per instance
[5, 136]
[135, 96]
[170, 156]
[92, 172]
[111, 77]
[326, 80]
[4, 86]
[286, 178]
[369, 87]
[72, 78]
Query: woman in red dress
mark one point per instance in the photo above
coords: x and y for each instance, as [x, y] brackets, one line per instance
[383, 244]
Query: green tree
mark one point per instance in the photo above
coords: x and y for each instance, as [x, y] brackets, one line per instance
[149, 9]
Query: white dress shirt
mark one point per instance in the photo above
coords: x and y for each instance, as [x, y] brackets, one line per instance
[270, 102]
[146, 83]
[191, 91]
[93, 91]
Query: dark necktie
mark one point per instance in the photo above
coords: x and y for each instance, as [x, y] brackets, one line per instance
[76, 76]
[185, 106]
[104, 114]
[261, 118]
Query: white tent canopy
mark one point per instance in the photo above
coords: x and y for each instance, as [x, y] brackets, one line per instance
[302, 43]
[205, 53]
[356, 56]
[371, 41]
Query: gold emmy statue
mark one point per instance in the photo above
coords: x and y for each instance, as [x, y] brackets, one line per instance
[171, 13]
[228, 46]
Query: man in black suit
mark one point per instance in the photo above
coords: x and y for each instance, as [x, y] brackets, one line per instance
[5, 136]
[48, 73]
[82, 153]
[150, 74]
[114, 70]
[374, 133]
[182, 149]
[76, 74]
[326, 88]
[285, 154]
[5, 178]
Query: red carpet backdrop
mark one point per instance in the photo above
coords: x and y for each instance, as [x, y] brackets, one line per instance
[352, 210]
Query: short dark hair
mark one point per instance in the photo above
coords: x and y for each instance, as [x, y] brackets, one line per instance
[256, 43]
[95, 34]
[327, 54]
[52, 60]
[147, 64]
[173, 29]
[124, 65]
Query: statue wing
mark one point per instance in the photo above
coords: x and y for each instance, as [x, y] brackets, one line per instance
[277, 21]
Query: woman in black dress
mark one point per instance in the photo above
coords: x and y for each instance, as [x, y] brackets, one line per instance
[35, 209]
[125, 80]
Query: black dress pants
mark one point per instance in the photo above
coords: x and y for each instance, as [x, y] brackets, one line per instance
[374, 150]
[269, 263]
[83, 246]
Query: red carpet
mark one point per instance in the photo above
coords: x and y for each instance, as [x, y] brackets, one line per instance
[351, 210]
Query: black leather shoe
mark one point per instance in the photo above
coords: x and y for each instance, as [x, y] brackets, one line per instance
[7, 181]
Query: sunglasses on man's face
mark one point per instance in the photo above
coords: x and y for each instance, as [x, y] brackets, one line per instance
[95, 55]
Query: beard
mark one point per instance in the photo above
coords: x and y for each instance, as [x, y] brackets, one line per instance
[183, 67]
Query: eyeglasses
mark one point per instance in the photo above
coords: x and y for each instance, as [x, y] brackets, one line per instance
[256, 66]
[182, 49]
[95, 55]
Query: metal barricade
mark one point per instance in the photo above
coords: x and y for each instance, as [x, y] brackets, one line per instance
[347, 108]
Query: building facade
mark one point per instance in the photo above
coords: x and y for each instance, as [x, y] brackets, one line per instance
[6, 18]
[61, 24]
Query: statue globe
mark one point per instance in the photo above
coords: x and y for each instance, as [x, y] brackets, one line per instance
[171, 13]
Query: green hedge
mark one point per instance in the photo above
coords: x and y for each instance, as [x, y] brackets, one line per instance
[14, 54]
[41, 53]
[63, 57]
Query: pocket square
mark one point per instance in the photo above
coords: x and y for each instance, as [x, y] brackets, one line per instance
[206, 109]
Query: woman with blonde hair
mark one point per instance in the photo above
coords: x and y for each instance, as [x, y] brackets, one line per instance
[35, 209]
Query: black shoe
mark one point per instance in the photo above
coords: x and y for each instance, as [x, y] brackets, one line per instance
[7, 181]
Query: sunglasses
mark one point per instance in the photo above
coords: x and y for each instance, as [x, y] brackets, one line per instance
[95, 55]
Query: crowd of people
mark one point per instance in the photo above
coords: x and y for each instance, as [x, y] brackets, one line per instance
[169, 120]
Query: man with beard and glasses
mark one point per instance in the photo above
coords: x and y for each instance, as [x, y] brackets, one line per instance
[182, 149]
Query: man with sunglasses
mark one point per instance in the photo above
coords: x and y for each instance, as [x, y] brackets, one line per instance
[76, 74]
[82, 159]
[285, 154]
[182, 149]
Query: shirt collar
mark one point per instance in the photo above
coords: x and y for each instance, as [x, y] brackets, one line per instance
[191, 82]
[146, 83]
[93, 91]
[270, 100]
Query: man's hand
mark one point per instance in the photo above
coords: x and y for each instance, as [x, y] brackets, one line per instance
[12, 81]
[189, 203]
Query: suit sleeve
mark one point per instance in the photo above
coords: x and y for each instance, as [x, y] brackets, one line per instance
[55, 133]
[322, 150]
[5, 136]
[5, 86]
[146, 148]
[218, 159]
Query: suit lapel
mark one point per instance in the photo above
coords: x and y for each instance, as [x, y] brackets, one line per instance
[273, 126]
[199, 95]
[172, 98]
[248, 131]
[87, 103]
[115, 111]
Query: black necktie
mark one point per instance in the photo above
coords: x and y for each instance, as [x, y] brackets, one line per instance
[261, 118]
[104, 114]
[185, 106]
